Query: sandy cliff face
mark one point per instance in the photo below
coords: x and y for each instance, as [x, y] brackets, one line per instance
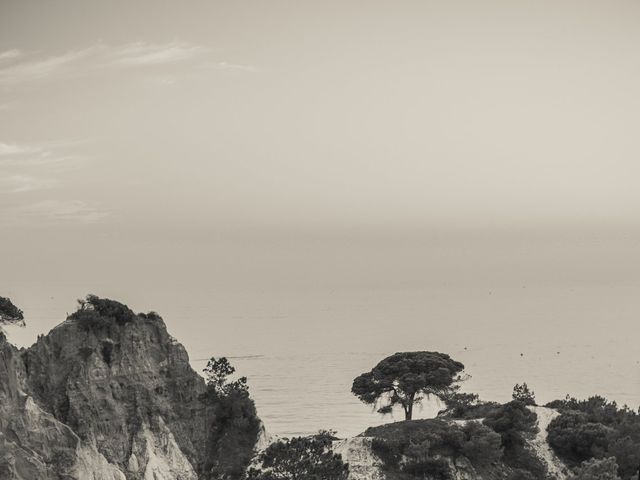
[108, 401]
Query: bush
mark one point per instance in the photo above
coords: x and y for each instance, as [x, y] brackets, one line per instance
[481, 445]
[514, 422]
[418, 447]
[389, 451]
[596, 428]
[597, 469]
[98, 314]
[300, 457]
[468, 406]
[522, 394]
[574, 438]
[234, 425]
[435, 468]
[9, 313]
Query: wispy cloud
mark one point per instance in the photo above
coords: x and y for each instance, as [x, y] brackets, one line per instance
[142, 54]
[9, 55]
[40, 68]
[25, 183]
[62, 211]
[12, 154]
[17, 67]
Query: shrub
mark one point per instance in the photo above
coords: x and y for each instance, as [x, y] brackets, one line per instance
[597, 469]
[574, 438]
[234, 424]
[596, 428]
[481, 445]
[389, 451]
[435, 468]
[522, 394]
[98, 314]
[514, 421]
[300, 457]
[9, 313]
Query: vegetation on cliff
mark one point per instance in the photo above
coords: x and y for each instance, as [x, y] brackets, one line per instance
[422, 448]
[596, 429]
[300, 458]
[114, 393]
[232, 422]
[9, 313]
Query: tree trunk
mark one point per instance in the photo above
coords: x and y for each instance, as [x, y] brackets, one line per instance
[408, 410]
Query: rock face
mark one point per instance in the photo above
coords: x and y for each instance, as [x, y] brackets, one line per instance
[107, 400]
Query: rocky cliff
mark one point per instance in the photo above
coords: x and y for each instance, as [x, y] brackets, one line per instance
[111, 396]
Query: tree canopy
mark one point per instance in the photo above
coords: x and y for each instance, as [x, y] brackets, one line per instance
[9, 313]
[301, 458]
[405, 378]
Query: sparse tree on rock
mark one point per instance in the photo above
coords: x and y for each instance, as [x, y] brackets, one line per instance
[405, 378]
[523, 394]
[217, 374]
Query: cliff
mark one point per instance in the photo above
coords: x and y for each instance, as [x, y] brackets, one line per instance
[111, 397]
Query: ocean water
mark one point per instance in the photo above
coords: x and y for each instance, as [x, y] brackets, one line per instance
[302, 393]
[302, 348]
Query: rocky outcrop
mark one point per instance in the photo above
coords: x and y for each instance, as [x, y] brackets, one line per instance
[102, 399]
[366, 464]
[363, 463]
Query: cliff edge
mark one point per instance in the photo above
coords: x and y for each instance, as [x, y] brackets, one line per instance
[110, 395]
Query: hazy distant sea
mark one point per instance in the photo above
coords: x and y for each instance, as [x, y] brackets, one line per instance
[301, 349]
[301, 394]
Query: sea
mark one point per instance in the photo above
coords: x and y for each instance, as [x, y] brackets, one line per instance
[301, 394]
[301, 350]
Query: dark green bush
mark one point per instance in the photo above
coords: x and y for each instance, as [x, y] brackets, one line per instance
[481, 445]
[389, 451]
[596, 428]
[433, 468]
[515, 422]
[98, 314]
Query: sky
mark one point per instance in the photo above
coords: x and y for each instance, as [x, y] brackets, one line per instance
[301, 175]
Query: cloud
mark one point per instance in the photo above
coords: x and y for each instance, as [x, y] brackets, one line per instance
[62, 211]
[12, 154]
[25, 183]
[20, 68]
[141, 54]
[8, 149]
[9, 55]
[236, 66]
[38, 69]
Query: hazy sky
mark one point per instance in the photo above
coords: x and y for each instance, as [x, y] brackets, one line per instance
[274, 166]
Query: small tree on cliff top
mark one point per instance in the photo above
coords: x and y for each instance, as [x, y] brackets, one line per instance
[405, 378]
[217, 374]
[523, 394]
